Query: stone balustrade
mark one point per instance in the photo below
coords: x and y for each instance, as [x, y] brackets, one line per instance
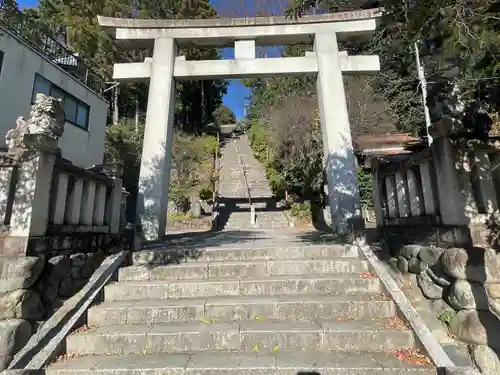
[48, 204]
[453, 185]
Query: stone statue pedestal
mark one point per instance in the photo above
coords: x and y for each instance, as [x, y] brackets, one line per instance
[40, 142]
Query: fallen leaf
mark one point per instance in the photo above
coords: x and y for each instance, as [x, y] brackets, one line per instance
[367, 275]
[412, 357]
[396, 323]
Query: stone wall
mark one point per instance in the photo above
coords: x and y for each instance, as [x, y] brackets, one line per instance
[464, 285]
[32, 288]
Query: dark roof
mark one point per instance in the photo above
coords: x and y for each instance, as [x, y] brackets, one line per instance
[364, 144]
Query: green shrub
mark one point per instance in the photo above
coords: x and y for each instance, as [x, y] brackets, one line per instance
[206, 194]
[209, 144]
[365, 188]
[177, 195]
[446, 316]
[258, 135]
[301, 211]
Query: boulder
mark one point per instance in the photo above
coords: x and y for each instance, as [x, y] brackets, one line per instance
[439, 277]
[99, 257]
[206, 207]
[476, 327]
[429, 289]
[495, 306]
[477, 264]
[464, 294]
[410, 251]
[49, 291]
[416, 266]
[402, 265]
[89, 267]
[19, 272]
[485, 359]
[493, 290]
[66, 286]
[438, 306]
[14, 334]
[430, 255]
[76, 272]
[78, 285]
[60, 265]
[21, 304]
[78, 260]
[54, 306]
[195, 210]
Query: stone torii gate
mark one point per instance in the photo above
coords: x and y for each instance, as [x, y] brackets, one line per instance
[327, 63]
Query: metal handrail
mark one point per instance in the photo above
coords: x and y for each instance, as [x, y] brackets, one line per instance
[252, 208]
[28, 29]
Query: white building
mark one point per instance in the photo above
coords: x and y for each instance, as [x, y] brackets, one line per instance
[27, 68]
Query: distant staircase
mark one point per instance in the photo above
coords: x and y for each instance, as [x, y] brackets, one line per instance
[243, 179]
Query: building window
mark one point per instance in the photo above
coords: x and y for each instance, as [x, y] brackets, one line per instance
[76, 112]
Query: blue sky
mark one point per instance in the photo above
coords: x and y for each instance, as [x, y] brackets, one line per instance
[237, 93]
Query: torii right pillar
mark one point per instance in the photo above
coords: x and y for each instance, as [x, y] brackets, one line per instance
[339, 159]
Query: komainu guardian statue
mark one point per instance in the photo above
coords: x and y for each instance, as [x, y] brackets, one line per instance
[42, 130]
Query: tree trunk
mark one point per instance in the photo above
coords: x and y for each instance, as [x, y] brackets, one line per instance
[203, 105]
[116, 113]
[137, 114]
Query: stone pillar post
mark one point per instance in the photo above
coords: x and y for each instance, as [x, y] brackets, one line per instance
[402, 194]
[72, 214]
[451, 198]
[428, 190]
[113, 208]
[343, 191]
[378, 194]
[30, 211]
[88, 199]
[392, 202]
[60, 198]
[157, 150]
[415, 193]
[100, 204]
[485, 182]
[495, 173]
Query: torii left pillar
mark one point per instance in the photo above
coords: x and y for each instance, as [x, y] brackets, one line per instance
[152, 200]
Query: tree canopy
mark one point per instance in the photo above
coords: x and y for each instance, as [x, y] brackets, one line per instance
[224, 116]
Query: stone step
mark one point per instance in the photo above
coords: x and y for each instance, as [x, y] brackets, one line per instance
[158, 288]
[243, 269]
[290, 252]
[243, 336]
[307, 307]
[210, 363]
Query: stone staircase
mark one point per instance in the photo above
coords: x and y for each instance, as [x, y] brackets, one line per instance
[268, 305]
[237, 157]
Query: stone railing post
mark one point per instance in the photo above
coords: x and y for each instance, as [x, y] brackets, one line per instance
[485, 182]
[428, 191]
[449, 189]
[114, 207]
[30, 211]
[402, 194]
[415, 193]
[378, 195]
[392, 202]
[33, 145]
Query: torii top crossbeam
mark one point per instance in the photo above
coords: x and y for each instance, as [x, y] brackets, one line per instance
[222, 32]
